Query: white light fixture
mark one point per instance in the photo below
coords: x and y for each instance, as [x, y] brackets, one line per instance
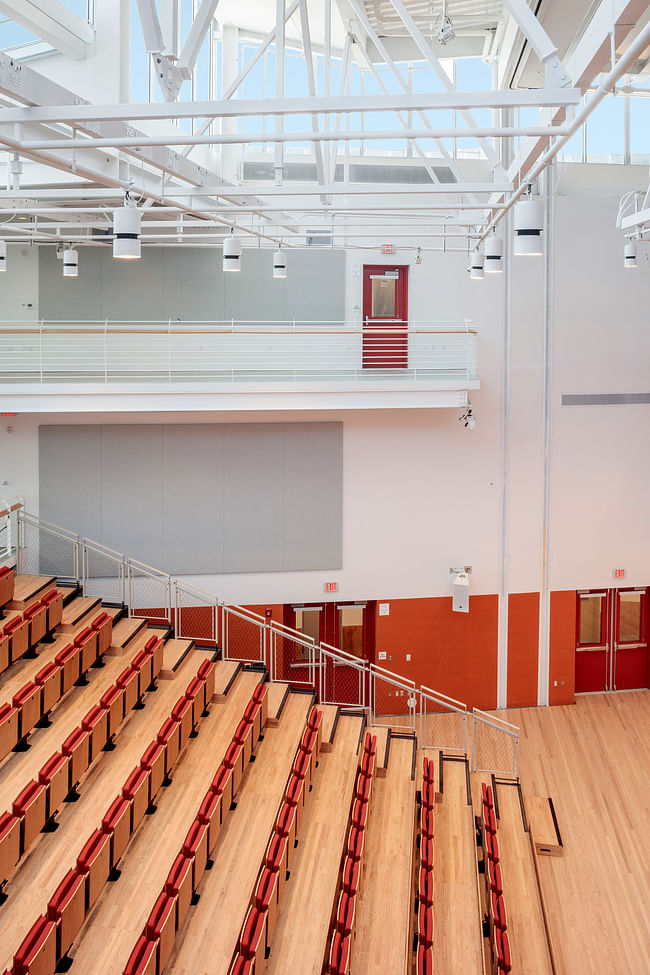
[3, 255]
[70, 263]
[280, 264]
[232, 253]
[127, 221]
[493, 250]
[476, 265]
[529, 223]
[629, 254]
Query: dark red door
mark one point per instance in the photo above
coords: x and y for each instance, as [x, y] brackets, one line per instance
[611, 640]
[630, 667]
[592, 641]
[385, 317]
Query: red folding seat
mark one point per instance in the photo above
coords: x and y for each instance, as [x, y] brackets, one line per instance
[195, 848]
[153, 760]
[260, 691]
[488, 799]
[315, 719]
[302, 765]
[425, 960]
[496, 885]
[161, 927]
[67, 908]
[154, 647]
[49, 680]
[142, 665]
[493, 847]
[103, 627]
[426, 852]
[491, 822]
[4, 651]
[17, 629]
[428, 795]
[9, 844]
[169, 737]
[87, 643]
[252, 932]
[354, 848]
[207, 672]
[96, 724]
[500, 918]
[276, 852]
[351, 872]
[222, 786]
[363, 787]
[244, 736]
[195, 692]
[53, 601]
[427, 770]
[36, 616]
[308, 740]
[286, 822]
[77, 748]
[367, 764]
[295, 796]
[345, 913]
[339, 959]
[116, 824]
[142, 960]
[136, 789]
[266, 890]
[7, 581]
[370, 744]
[179, 885]
[253, 716]
[425, 926]
[502, 951]
[8, 729]
[427, 822]
[27, 702]
[128, 681]
[113, 701]
[30, 806]
[95, 861]
[242, 966]
[234, 759]
[425, 887]
[359, 814]
[55, 776]
[182, 712]
[38, 949]
[68, 661]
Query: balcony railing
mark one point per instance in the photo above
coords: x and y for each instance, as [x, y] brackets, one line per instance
[227, 352]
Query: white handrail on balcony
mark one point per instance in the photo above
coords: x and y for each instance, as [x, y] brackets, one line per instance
[230, 351]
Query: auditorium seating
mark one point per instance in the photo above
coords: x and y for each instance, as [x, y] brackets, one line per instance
[7, 581]
[425, 885]
[51, 936]
[496, 908]
[21, 632]
[169, 911]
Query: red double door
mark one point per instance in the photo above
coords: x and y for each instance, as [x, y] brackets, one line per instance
[612, 640]
[385, 316]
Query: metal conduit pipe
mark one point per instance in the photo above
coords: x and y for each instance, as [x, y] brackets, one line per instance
[635, 49]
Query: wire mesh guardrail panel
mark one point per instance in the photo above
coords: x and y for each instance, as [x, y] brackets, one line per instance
[47, 553]
[149, 594]
[292, 658]
[494, 750]
[103, 576]
[194, 620]
[442, 727]
[393, 704]
[342, 683]
[243, 637]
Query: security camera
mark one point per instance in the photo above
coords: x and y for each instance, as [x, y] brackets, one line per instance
[468, 419]
[445, 31]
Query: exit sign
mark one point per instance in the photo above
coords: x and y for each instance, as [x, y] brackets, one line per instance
[387, 249]
[619, 573]
[331, 587]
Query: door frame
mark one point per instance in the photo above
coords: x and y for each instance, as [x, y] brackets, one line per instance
[397, 340]
[610, 634]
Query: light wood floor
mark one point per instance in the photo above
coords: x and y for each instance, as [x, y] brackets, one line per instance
[305, 910]
[209, 938]
[382, 916]
[593, 758]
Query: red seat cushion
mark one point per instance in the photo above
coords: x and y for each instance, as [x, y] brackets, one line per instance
[99, 621]
[94, 715]
[427, 822]
[487, 795]
[7, 822]
[150, 755]
[493, 852]
[90, 850]
[496, 885]
[426, 852]
[24, 694]
[252, 931]
[491, 821]
[5, 571]
[220, 779]
[133, 782]
[207, 807]
[81, 637]
[265, 889]
[359, 814]
[425, 886]
[50, 596]
[46, 672]
[339, 953]
[308, 740]
[243, 728]
[242, 966]
[160, 912]
[427, 770]
[425, 925]
[61, 896]
[294, 791]
[193, 838]
[204, 669]
[180, 708]
[301, 765]
[109, 696]
[232, 755]
[115, 810]
[315, 718]
[275, 852]
[193, 688]
[32, 944]
[351, 872]
[363, 787]
[32, 611]
[178, 871]
[6, 711]
[285, 819]
[355, 844]
[140, 956]
[425, 960]
[167, 730]
[13, 624]
[345, 913]
[428, 795]
[151, 644]
[504, 960]
[260, 692]
[500, 916]
[31, 792]
[50, 768]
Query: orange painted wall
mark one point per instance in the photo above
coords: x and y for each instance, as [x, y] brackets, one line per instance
[562, 647]
[455, 653]
[523, 648]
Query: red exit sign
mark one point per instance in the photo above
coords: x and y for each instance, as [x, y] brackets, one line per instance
[331, 587]
[619, 573]
[387, 249]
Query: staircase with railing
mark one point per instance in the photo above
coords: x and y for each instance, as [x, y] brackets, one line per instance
[440, 722]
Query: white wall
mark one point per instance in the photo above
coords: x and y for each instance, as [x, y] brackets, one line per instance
[19, 285]
[422, 494]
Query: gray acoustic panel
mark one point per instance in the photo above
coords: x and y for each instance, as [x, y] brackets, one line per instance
[200, 498]
[605, 399]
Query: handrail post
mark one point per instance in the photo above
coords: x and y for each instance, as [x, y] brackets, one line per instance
[40, 349]
[169, 350]
[106, 350]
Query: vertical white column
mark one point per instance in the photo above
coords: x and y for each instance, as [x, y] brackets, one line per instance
[278, 162]
[229, 72]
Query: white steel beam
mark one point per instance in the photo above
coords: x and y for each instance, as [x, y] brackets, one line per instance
[556, 75]
[196, 36]
[53, 22]
[170, 17]
[311, 88]
[154, 42]
[76, 113]
[344, 189]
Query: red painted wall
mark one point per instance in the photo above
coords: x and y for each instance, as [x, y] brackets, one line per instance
[523, 648]
[455, 653]
[562, 647]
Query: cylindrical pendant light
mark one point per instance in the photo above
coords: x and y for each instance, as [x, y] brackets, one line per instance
[476, 265]
[493, 250]
[70, 263]
[529, 223]
[127, 221]
[232, 253]
[280, 264]
[3, 255]
[629, 254]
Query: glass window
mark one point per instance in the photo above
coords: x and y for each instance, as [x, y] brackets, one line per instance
[308, 622]
[640, 130]
[606, 131]
[383, 297]
[591, 619]
[351, 629]
[630, 604]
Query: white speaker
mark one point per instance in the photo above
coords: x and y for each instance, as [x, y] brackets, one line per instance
[461, 593]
